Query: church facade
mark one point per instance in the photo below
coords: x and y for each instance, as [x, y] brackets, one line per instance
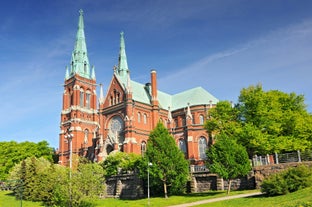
[121, 120]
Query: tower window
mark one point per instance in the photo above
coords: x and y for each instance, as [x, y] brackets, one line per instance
[88, 95]
[81, 99]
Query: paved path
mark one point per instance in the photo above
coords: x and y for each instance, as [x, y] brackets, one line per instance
[217, 199]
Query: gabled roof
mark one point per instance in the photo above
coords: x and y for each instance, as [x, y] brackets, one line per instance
[194, 96]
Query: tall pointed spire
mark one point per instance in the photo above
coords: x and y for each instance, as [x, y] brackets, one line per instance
[80, 61]
[122, 61]
[101, 99]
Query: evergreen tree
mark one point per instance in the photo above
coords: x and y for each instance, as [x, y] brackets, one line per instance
[168, 166]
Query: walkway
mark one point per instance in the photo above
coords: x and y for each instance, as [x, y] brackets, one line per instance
[217, 199]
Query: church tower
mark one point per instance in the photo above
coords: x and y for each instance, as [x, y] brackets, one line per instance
[79, 118]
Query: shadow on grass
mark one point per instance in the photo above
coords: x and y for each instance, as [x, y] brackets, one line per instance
[203, 194]
[9, 193]
[190, 195]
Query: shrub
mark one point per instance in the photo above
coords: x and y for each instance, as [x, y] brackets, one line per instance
[287, 181]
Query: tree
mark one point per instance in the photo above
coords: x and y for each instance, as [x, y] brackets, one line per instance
[120, 161]
[12, 153]
[274, 121]
[51, 184]
[264, 121]
[228, 159]
[169, 166]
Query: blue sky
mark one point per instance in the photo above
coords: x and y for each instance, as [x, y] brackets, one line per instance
[221, 45]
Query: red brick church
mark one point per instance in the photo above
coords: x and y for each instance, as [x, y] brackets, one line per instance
[121, 120]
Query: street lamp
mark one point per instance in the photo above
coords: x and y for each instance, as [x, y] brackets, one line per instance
[70, 137]
[148, 187]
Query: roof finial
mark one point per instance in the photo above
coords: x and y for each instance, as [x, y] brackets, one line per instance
[188, 112]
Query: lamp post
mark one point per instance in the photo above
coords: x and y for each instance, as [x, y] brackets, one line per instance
[148, 187]
[69, 137]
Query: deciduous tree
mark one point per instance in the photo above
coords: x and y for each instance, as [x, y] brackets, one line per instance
[228, 159]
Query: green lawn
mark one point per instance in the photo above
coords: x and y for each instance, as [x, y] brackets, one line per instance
[9, 200]
[302, 198]
[297, 199]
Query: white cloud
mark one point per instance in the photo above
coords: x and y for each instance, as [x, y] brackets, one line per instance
[279, 60]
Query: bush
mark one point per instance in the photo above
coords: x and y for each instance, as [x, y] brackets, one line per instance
[287, 181]
[120, 161]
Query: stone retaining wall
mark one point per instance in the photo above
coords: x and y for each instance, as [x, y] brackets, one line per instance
[127, 186]
[201, 182]
[263, 171]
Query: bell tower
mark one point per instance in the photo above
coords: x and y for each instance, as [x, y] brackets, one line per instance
[79, 118]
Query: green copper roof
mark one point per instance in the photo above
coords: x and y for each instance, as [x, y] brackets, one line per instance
[80, 62]
[142, 93]
[122, 68]
[194, 96]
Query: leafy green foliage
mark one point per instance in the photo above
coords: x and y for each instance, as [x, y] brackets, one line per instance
[287, 181]
[264, 121]
[120, 161]
[51, 183]
[168, 166]
[228, 159]
[13, 153]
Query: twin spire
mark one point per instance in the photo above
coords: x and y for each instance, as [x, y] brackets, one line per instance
[79, 61]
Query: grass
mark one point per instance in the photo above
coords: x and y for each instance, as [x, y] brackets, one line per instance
[300, 198]
[7, 199]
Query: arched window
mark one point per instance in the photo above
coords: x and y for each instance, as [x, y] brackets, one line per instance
[86, 134]
[139, 117]
[182, 146]
[88, 96]
[201, 119]
[117, 97]
[202, 147]
[111, 100]
[81, 99]
[145, 119]
[143, 148]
